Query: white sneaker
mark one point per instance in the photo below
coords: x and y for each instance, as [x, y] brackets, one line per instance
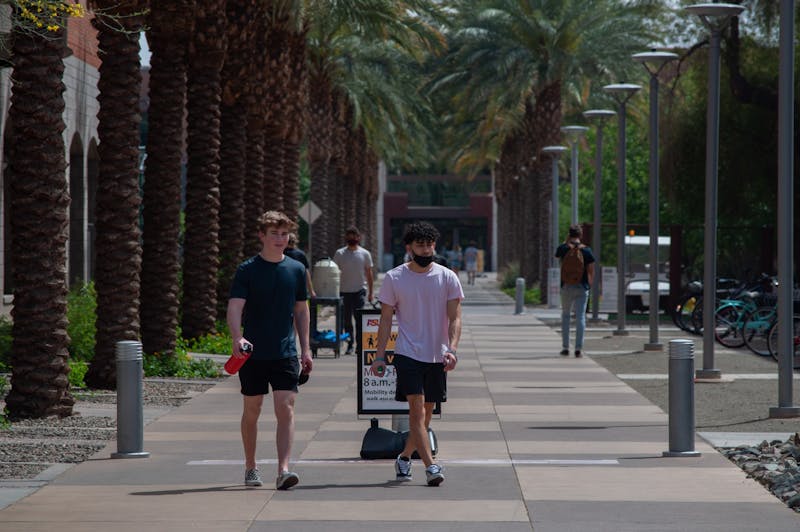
[403, 468]
[286, 480]
[252, 478]
[434, 475]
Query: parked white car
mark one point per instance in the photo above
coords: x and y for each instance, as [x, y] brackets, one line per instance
[637, 280]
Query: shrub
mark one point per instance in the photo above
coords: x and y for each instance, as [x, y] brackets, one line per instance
[77, 372]
[180, 365]
[81, 317]
[5, 344]
[508, 275]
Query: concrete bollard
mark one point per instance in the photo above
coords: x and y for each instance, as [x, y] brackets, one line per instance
[520, 296]
[130, 419]
[681, 399]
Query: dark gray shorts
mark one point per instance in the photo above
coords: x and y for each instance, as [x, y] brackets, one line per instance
[417, 378]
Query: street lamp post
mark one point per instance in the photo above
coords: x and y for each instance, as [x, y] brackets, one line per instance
[600, 116]
[653, 62]
[621, 92]
[715, 17]
[574, 134]
[786, 347]
[555, 152]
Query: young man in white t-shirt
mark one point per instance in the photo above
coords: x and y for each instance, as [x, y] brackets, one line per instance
[426, 298]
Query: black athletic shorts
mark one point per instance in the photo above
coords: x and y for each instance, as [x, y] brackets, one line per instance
[256, 376]
[415, 378]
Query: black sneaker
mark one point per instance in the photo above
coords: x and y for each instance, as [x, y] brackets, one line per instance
[578, 353]
[564, 352]
[349, 349]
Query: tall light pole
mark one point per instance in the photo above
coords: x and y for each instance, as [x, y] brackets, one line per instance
[553, 279]
[600, 116]
[715, 17]
[786, 346]
[653, 62]
[621, 92]
[574, 134]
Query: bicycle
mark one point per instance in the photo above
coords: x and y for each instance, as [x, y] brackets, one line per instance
[773, 341]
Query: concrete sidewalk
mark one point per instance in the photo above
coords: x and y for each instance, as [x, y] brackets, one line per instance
[529, 441]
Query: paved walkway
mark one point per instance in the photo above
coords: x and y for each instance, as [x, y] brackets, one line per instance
[529, 440]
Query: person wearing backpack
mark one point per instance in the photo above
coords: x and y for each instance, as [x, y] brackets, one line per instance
[577, 273]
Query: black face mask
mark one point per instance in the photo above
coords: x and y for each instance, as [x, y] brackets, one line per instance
[352, 242]
[423, 262]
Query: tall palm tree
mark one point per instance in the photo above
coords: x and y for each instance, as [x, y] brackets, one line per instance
[337, 33]
[119, 253]
[168, 37]
[233, 148]
[201, 248]
[39, 207]
[512, 66]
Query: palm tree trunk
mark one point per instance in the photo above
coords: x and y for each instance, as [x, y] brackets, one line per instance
[254, 187]
[233, 148]
[39, 223]
[168, 34]
[119, 252]
[319, 157]
[273, 170]
[201, 242]
[543, 121]
[233, 160]
[290, 162]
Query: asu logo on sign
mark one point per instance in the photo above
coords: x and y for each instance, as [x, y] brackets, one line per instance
[373, 323]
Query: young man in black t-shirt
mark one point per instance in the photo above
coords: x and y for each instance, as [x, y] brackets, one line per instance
[268, 298]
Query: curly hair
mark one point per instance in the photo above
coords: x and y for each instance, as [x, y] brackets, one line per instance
[420, 231]
[275, 219]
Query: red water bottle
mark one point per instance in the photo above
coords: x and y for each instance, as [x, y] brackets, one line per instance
[234, 364]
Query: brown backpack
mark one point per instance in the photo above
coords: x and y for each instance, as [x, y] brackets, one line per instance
[572, 266]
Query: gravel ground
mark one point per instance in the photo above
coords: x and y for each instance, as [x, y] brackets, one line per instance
[30, 446]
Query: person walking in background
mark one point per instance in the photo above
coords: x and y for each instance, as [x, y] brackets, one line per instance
[426, 299]
[355, 264]
[297, 254]
[454, 258]
[471, 262]
[577, 273]
[270, 289]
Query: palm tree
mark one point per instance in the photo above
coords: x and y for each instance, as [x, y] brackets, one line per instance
[509, 66]
[338, 34]
[201, 249]
[168, 38]
[119, 253]
[39, 207]
[233, 148]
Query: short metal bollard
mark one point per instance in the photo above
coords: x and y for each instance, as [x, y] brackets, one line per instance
[130, 419]
[681, 399]
[520, 296]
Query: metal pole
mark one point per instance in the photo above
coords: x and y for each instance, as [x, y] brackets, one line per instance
[710, 237]
[681, 399]
[554, 199]
[519, 307]
[621, 221]
[654, 344]
[786, 346]
[598, 188]
[574, 180]
[130, 418]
